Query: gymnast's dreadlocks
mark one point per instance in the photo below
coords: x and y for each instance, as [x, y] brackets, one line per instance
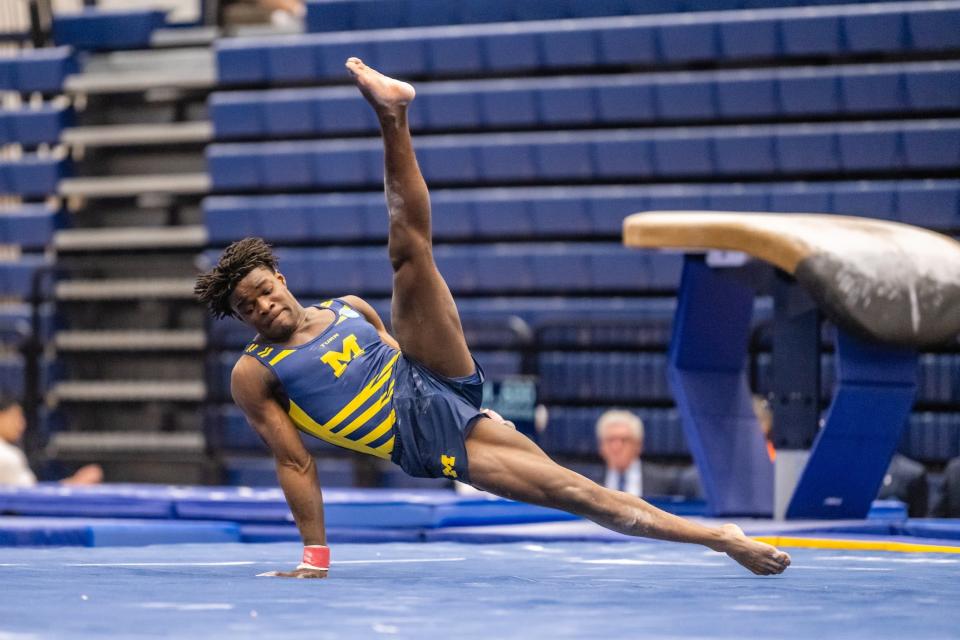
[239, 259]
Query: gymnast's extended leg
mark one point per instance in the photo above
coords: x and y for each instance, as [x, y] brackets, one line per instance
[424, 318]
[508, 464]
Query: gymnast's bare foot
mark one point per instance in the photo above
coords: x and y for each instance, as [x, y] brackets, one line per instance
[386, 95]
[759, 557]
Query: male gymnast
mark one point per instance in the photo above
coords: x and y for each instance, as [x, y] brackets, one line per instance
[333, 371]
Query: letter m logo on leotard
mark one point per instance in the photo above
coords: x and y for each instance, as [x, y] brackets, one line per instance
[448, 462]
[338, 360]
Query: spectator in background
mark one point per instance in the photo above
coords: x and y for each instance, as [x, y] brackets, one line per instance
[14, 469]
[620, 441]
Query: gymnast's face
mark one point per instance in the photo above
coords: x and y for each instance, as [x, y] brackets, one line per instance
[262, 301]
[619, 446]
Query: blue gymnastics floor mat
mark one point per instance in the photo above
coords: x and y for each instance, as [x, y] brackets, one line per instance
[549, 590]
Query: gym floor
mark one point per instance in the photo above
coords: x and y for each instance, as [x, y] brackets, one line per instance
[448, 589]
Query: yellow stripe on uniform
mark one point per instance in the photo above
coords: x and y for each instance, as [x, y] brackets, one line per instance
[368, 413]
[386, 448]
[364, 395]
[856, 545]
[280, 356]
[308, 424]
[380, 429]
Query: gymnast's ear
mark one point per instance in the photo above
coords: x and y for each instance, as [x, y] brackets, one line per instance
[282, 279]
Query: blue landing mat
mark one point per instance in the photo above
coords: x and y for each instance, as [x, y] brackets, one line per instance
[416, 591]
[94, 532]
[350, 508]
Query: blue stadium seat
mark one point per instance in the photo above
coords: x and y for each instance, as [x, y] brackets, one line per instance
[806, 150]
[932, 145]
[877, 91]
[31, 175]
[237, 114]
[755, 37]
[460, 53]
[808, 92]
[564, 48]
[449, 110]
[934, 30]
[31, 226]
[688, 41]
[603, 377]
[746, 95]
[288, 113]
[626, 102]
[932, 203]
[874, 33]
[870, 147]
[812, 35]
[573, 103]
[870, 200]
[682, 97]
[31, 126]
[683, 153]
[752, 153]
[98, 29]
[934, 87]
[42, 70]
[17, 277]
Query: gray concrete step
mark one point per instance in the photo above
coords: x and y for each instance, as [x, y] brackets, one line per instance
[125, 289]
[126, 135]
[131, 186]
[130, 340]
[126, 238]
[129, 391]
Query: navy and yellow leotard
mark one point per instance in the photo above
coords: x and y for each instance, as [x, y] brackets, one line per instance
[349, 388]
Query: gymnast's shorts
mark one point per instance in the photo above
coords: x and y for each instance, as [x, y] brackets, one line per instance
[434, 417]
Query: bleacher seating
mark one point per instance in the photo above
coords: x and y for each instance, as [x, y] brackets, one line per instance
[524, 213]
[32, 175]
[662, 154]
[32, 126]
[17, 277]
[42, 70]
[712, 96]
[539, 136]
[96, 29]
[594, 43]
[938, 377]
[31, 226]
[355, 15]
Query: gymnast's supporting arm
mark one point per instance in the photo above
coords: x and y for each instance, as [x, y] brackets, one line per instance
[250, 385]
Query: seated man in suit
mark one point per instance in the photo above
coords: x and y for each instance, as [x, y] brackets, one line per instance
[620, 442]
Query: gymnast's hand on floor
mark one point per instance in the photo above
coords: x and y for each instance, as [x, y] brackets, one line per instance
[314, 574]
